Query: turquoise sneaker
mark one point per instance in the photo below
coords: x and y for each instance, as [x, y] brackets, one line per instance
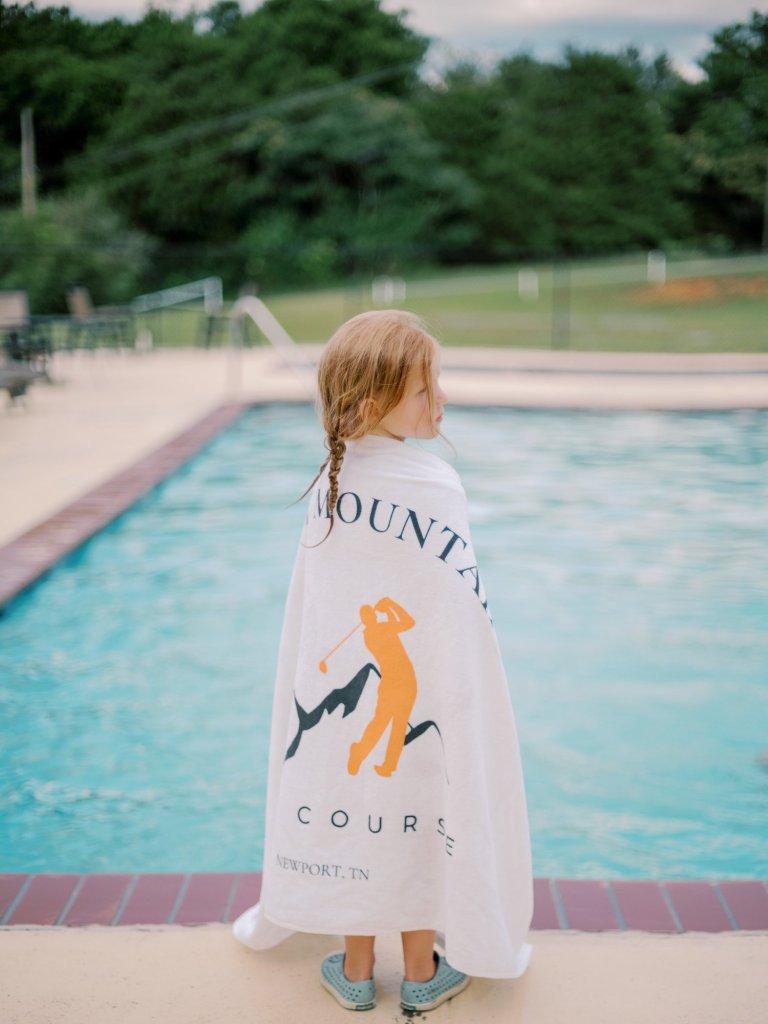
[352, 995]
[426, 995]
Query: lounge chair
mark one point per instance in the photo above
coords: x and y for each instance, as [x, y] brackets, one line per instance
[26, 340]
[15, 378]
[94, 324]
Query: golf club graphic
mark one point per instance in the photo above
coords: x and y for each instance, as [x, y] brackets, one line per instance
[396, 692]
[324, 662]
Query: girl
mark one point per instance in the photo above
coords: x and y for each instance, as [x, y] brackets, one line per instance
[404, 811]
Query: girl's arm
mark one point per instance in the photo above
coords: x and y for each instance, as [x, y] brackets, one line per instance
[395, 613]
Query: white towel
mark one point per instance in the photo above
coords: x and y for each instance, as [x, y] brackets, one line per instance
[395, 798]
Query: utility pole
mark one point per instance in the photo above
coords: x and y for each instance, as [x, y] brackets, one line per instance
[28, 169]
[765, 209]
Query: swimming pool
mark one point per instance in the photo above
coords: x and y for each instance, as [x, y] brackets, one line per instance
[626, 563]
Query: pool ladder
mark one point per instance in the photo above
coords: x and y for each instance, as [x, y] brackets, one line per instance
[270, 327]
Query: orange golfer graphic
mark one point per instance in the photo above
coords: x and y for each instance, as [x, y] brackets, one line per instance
[397, 686]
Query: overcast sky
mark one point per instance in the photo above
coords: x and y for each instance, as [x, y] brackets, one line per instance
[491, 28]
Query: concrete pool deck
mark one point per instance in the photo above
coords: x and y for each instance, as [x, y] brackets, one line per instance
[201, 975]
[79, 451]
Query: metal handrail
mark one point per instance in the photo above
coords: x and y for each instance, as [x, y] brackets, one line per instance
[270, 327]
[209, 289]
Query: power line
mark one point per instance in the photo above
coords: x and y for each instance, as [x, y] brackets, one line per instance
[215, 126]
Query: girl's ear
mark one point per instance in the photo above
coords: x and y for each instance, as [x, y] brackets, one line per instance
[369, 411]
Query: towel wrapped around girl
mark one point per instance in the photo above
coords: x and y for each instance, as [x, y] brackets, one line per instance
[395, 796]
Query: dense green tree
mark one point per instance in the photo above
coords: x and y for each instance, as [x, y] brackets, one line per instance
[71, 73]
[288, 45]
[224, 17]
[224, 143]
[356, 186]
[570, 157]
[72, 240]
[722, 127]
[297, 142]
[154, 161]
[463, 112]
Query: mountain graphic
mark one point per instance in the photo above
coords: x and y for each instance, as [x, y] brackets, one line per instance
[348, 697]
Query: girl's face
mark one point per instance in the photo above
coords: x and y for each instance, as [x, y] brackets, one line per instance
[411, 416]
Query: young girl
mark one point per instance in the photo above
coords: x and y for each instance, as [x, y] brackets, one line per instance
[395, 799]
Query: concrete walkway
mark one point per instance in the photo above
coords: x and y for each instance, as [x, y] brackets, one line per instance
[202, 975]
[107, 409]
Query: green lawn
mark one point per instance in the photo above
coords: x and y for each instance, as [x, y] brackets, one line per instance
[716, 305]
[711, 308]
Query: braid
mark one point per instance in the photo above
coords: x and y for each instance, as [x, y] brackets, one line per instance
[336, 448]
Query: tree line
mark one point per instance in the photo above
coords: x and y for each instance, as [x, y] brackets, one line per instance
[305, 142]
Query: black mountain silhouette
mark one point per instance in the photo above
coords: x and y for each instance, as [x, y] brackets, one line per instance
[348, 696]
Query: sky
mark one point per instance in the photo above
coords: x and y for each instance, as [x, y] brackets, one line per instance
[489, 29]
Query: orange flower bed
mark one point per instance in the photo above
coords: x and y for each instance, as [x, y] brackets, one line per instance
[695, 290]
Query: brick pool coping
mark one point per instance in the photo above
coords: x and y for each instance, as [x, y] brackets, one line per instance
[31, 555]
[133, 899]
[585, 905]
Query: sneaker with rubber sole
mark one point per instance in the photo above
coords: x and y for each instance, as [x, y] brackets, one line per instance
[352, 995]
[426, 995]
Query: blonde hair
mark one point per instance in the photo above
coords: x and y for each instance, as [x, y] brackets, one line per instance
[362, 376]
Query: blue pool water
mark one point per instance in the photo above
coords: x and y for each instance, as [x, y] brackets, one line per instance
[625, 556]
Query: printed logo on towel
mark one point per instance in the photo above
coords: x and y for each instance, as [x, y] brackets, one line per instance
[396, 693]
[433, 538]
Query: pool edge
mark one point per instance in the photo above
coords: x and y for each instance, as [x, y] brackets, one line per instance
[26, 559]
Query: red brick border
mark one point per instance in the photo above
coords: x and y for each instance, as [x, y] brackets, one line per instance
[575, 904]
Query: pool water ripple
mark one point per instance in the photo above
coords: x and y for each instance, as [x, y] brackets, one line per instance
[625, 556]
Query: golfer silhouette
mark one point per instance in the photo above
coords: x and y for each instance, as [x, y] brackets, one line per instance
[397, 686]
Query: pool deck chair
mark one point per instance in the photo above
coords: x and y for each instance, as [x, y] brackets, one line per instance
[26, 340]
[91, 325]
[15, 379]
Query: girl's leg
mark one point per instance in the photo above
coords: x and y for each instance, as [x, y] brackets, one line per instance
[396, 742]
[358, 963]
[373, 731]
[417, 954]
